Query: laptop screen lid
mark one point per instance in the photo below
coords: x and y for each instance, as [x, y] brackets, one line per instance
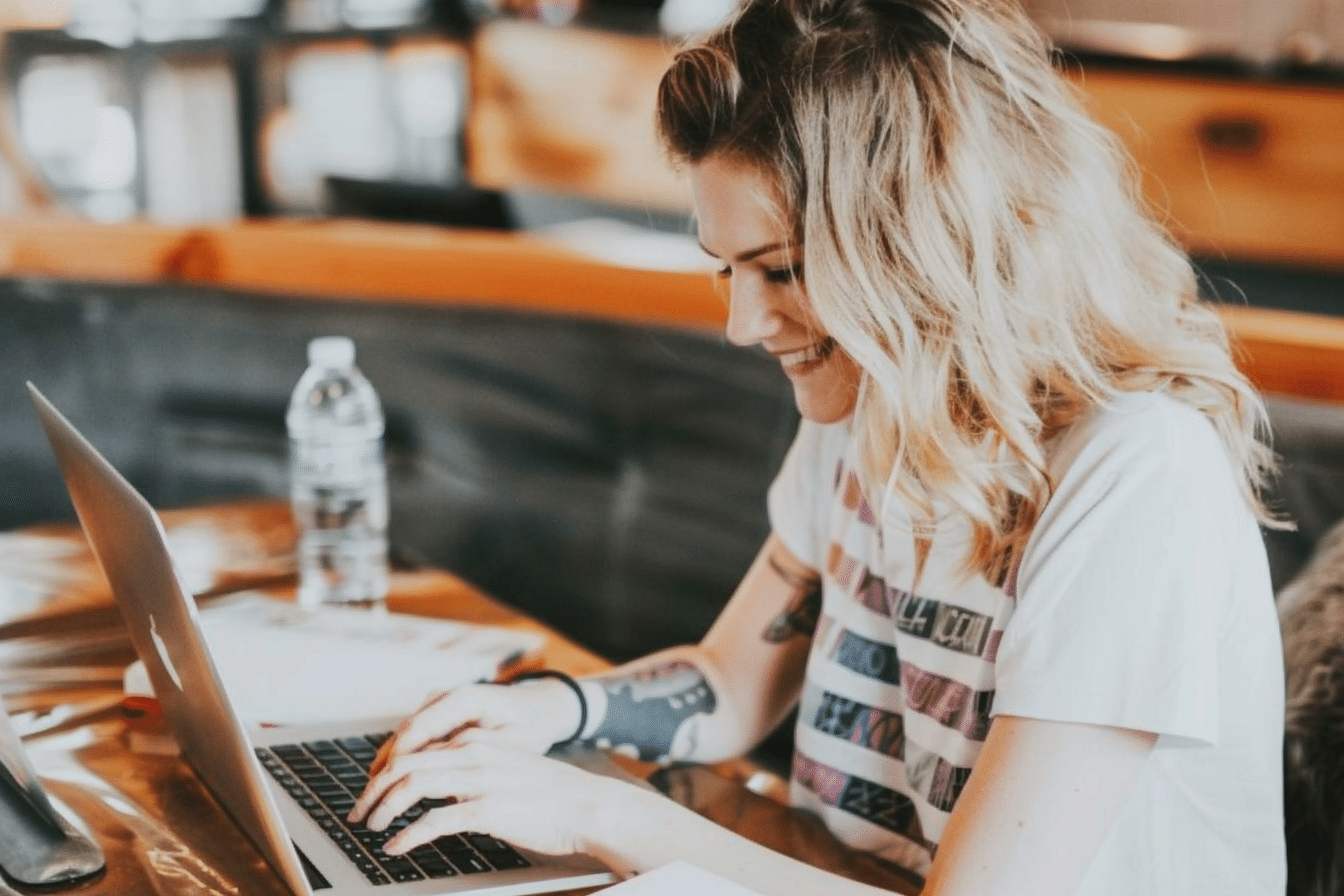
[128, 540]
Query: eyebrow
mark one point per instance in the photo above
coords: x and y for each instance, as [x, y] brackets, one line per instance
[750, 253]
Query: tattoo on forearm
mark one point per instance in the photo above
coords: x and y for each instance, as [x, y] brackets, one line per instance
[804, 609]
[646, 710]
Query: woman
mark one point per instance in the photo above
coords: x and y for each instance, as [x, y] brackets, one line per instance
[1015, 582]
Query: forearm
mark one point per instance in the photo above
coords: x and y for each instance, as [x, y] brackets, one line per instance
[719, 698]
[674, 705]
[1033, 815]
[666, 832]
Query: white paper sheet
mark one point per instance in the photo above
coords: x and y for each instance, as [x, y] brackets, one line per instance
[678, 879]
[284, 665]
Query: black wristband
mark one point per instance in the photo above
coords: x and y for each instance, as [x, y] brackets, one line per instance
[573, 686]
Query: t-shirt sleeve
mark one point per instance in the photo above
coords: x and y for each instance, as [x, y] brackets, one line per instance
[1125, 583]
[795, 499]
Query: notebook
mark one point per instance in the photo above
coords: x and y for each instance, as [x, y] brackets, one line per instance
[274, 782]
[254, 638]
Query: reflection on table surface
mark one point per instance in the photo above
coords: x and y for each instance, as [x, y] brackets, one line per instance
[63, 650]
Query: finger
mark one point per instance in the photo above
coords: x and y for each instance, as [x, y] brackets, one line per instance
[452, 819]
[473, 736]
[439, 718]
[406, 781]
[395, 744]
[402, 795]
[433, 697]
[412, 733]
[433, 788]
[374, 791]
[384, 754]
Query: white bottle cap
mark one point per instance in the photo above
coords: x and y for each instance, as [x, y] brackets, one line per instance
[331, 351]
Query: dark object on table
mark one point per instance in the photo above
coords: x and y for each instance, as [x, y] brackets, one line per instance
[39, 847]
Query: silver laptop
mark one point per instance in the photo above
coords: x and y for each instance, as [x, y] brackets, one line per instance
[279, 784]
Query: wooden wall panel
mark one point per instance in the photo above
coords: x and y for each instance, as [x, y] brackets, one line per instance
[1240, 169]
[570, 111]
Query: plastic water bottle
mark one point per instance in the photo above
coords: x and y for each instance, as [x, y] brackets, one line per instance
[338, 480]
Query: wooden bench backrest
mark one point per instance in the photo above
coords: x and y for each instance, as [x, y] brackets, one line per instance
[1284, 353]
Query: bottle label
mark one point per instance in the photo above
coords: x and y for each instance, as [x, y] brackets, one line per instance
[336, 462]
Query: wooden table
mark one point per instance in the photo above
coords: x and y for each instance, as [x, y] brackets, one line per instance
[63, 650]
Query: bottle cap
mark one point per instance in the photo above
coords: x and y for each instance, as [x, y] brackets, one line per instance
[331, 351]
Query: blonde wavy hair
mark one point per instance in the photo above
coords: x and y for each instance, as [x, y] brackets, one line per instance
[970, 237]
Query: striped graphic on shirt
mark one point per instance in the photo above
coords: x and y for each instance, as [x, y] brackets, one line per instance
[868, 726]
[865, 799]
[947, 701]
[869, 658]
[854, 501]
[931, 776]
[938, 780]
[950, 703]
[947, 625]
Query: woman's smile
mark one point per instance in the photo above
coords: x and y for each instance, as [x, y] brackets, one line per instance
[805, 360]
[767, 292]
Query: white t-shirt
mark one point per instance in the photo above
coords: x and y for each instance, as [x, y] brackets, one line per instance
[1142, 601]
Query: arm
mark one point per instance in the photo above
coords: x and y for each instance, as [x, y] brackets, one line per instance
[719, 698]
[1038, 805]
[704, 702]
[1034, 813]
[1041, 799]
[549, 806]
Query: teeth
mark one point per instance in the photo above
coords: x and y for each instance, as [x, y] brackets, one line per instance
[810, 355]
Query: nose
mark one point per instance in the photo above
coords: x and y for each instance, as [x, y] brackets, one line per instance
[752, 317]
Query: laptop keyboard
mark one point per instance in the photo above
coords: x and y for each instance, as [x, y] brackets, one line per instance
[325, 777]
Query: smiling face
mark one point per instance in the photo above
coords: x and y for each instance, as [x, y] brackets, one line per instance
[767, 298]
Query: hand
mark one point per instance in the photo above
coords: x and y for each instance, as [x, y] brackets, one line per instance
[507, 791]
[530, 715]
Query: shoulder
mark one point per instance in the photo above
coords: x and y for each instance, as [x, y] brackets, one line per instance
[1145, 474]
[1138, 426]
[1137, 438]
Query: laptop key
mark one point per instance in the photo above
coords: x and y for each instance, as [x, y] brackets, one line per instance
[437, 867]
[430, 862]
[504, 859]
[483, 842]
[325, 776]
[402, 870]
[468, 862]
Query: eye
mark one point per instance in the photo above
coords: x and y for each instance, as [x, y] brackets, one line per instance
[724, 272]
[790, 274]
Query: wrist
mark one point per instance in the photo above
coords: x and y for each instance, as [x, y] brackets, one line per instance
[608, 835]
[566, 702]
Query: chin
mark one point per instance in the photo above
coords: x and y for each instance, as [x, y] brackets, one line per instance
[829, 408]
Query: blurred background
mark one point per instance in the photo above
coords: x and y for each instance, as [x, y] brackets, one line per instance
[202, 161]
[182, 111]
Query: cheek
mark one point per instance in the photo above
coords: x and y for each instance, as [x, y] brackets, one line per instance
[830, 394]
[793, 300]
[847, 379]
